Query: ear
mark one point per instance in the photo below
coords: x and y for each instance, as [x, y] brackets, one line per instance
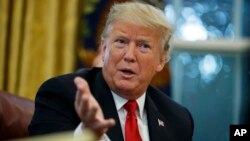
[162, 63]
[103, 48]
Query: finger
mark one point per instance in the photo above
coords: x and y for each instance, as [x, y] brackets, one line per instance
[109, 123]
[81, 101]
[105, 124]
[77, 99]
[78, 84]
[82, 85]
[92, 114]
[84, 107]
[102, 127]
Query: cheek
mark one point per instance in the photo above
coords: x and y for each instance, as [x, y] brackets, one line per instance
[111, 57]
[149, 64]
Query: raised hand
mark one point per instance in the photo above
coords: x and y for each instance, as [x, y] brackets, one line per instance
[89, 110]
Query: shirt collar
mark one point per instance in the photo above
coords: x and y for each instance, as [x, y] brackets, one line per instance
[120, 101]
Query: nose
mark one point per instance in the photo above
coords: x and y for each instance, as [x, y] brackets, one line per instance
[130, 53]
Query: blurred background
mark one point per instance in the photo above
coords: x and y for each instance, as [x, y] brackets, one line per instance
[209, 70]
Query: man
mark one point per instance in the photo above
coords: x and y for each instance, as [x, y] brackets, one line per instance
[135, 47]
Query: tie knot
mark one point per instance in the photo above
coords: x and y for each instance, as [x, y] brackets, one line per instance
[131, 106]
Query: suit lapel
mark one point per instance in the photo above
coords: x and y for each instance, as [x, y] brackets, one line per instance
[157, 124]
[103, 95]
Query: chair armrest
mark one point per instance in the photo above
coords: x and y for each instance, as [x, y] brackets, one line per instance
[15, 116]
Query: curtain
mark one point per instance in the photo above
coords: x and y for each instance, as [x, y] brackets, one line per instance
[37, 41]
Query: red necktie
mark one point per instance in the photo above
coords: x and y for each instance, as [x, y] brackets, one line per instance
[131, 127]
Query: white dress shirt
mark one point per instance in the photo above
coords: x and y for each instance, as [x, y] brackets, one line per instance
[141, 118]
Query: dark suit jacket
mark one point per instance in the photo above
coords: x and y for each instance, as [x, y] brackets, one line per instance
[54, 109]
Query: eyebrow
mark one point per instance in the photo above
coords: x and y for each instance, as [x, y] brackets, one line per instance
[142, 38]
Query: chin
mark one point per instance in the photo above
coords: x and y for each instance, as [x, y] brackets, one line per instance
[125, 86]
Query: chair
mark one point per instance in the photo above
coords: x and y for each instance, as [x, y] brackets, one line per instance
[15, 116]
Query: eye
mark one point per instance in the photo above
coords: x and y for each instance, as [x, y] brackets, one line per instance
[144, 47]
[120, 42]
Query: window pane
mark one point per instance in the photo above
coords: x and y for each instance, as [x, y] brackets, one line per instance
[202, 19]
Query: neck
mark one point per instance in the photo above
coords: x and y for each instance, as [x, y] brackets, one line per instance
[129, 95]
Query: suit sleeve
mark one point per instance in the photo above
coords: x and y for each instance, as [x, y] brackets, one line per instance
[54, 108]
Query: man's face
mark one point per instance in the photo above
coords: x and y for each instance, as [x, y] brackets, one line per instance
[132, 56]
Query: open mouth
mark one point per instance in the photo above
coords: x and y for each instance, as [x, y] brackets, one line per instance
[127, 73]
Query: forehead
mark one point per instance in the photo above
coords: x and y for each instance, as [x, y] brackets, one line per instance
[124, 28]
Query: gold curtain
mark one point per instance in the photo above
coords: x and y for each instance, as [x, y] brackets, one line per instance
[37, 41]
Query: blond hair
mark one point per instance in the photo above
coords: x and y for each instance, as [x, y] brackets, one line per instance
[140, 14]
